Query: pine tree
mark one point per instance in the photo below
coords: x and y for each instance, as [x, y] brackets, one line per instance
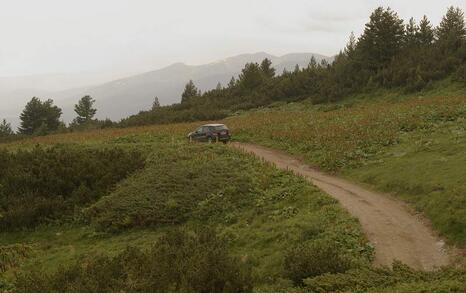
[382, 38]
[38, 115]
[411, 34]
[85, 110]
[190, 91]
[251, 76]
[425, 34]
[267, 69]
[312, 64]
[285, 72]
[451, 33]
[155, 104]
[232, 83]
[219, 87]
[5, 129]
[350, 47]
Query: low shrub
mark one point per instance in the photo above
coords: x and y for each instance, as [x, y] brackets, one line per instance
[314, 259]
[12, 255]
[5, 286]
[181, 261]
[178, 184]
[399, 278]
[47, 184]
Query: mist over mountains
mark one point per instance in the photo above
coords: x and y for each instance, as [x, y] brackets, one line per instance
[120, 98]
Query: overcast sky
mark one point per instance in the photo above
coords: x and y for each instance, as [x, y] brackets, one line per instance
[126, 36]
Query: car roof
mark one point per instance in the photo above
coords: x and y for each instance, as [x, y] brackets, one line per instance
[213, 125]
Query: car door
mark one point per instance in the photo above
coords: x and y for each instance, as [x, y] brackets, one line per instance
[197, 134]
[203, 133]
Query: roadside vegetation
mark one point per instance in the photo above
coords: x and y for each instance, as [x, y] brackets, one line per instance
[263, 224]
[410, 147]
[273, 231]
[45, 185]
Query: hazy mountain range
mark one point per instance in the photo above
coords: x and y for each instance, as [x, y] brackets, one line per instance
[122, 97]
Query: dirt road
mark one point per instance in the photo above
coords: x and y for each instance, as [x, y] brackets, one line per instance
[395, 233]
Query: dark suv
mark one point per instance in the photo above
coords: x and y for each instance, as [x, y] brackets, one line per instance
[211, 133]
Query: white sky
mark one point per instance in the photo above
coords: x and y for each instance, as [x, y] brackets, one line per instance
[70, 36]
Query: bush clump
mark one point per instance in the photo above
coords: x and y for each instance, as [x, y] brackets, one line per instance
[177, 185]
[314, 259]
[12, 255]
[399, 278]
[48, 184]
[181, 261]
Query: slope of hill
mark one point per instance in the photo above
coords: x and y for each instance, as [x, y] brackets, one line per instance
[265, 219]
[277, 224]
[410, 146]
[123, 97]
[120, 98]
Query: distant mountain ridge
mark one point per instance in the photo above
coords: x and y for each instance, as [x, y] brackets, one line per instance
[123, 97]
[126, 96]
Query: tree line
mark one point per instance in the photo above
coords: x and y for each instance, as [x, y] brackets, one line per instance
[390, 53]
[43, 117]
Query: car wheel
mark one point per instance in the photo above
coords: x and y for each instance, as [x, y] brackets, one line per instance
[225, 141]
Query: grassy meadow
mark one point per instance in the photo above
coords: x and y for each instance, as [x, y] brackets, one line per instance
[262, 217]
[101, 223]
[413, 147]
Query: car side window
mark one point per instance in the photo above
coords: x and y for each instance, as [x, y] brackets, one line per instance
[199, 130]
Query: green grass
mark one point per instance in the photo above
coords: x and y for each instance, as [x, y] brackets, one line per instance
[261, 212]
[409, 145]
[266, 216]
[59, 246]
[399, 279]
[426, 169]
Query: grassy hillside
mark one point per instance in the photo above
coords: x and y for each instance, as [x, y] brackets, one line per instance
[262, 221]
[189, 207]
[411, 146]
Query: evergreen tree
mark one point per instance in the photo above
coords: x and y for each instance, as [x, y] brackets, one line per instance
[425, 34]
[155, 104]
[85, 110]
[38, 115]
[451, 33]
[219, 87]
[251, 76]
[190, 91]
[232, 83]
[382, 38]
[312, 64]
[350, 47]
[267, 69]
[5, 129]
[285, 72]
[411, 34]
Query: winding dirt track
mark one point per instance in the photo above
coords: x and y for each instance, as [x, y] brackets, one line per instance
[395, 233]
